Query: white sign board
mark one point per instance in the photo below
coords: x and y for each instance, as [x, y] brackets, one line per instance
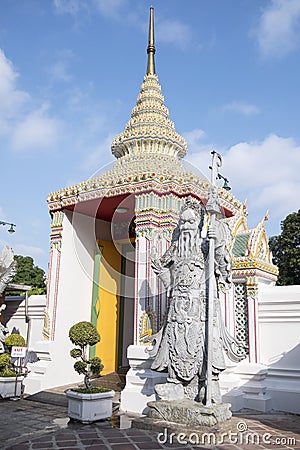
[18, 352]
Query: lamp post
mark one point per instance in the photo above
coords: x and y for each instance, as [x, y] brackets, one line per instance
[12, 225]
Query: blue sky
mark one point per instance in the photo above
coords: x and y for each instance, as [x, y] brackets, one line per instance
[70, 72]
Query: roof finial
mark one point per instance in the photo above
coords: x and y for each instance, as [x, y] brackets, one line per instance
[151, 47]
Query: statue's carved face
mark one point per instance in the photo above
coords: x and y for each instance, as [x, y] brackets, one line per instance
[189, 222]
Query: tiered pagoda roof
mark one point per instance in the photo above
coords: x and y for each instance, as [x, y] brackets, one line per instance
[148, 152]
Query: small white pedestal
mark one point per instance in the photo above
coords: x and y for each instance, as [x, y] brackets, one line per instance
[140, 381]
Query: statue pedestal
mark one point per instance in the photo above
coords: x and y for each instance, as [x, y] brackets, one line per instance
[189, 413]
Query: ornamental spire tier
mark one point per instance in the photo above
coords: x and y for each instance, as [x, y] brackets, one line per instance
[150, 130]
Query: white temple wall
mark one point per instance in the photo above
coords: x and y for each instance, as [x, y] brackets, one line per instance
[141, 284]
[76, 273]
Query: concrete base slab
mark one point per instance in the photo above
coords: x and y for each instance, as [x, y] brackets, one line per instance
[172, 433]
[188, 412]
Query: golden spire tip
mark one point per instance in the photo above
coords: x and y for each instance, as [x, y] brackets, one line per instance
[151, 46]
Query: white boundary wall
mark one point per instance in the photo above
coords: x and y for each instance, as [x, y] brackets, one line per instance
[279, 327]
[273, 382]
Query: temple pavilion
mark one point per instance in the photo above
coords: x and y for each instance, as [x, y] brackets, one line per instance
[103, 231]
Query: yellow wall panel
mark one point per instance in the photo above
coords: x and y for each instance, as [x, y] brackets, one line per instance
[108, 319]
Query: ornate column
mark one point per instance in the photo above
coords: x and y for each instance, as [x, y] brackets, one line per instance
[53, 275]
[156, 218]
[252, 318]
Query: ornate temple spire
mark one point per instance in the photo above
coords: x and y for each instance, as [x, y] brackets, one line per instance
[149, 130]
[151, 46]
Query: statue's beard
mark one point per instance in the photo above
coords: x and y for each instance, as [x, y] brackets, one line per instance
[187, 243]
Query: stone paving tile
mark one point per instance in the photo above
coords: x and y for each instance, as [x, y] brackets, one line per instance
[135, 432]
[137, 439]
[149, 445]
[227, 447]
[69, 443]
[90, 441]
[118, 440]
[123, 447]
[112, 432]
[23, 446]
[41, 445]
[85, 435]
[47, 438]
[98, 447]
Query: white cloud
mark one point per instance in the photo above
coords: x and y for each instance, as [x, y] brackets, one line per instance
[246, 109]
[26, 128]
[95, 159]
[28, 250]
[265, 172]
[199, 153]
[168, 31]
[280, 198]
[278, 31]
[2, 215]
[36, 131]
[60, 71]
[267, 163]
[68, 6]
[194, 136]
[172, 31]
[11, 98]
[109, 8]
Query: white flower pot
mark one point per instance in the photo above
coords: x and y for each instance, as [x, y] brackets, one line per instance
[89, 407]
[8, 387]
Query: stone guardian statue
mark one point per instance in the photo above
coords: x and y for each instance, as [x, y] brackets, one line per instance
[190, 345]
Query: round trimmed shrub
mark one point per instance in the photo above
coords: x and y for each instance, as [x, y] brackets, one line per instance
[84, 333]
[14, 340]
[76, 353]
[4, 361]
[80, 367]
[96, 365]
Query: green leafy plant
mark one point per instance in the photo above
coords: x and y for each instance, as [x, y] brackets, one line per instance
[4, 366]
[286, 250]
[14, 340]
[28, 273]
[7, 369]
[83, 335]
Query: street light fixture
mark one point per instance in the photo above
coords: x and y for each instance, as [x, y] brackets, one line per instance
[220, 177]
[11, 228]
[225, 185]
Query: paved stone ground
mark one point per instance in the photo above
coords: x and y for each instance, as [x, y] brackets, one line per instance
[41, 422]
[28, 425]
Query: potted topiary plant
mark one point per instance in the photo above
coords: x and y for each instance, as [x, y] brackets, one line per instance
[87, 404]
[11, 377]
